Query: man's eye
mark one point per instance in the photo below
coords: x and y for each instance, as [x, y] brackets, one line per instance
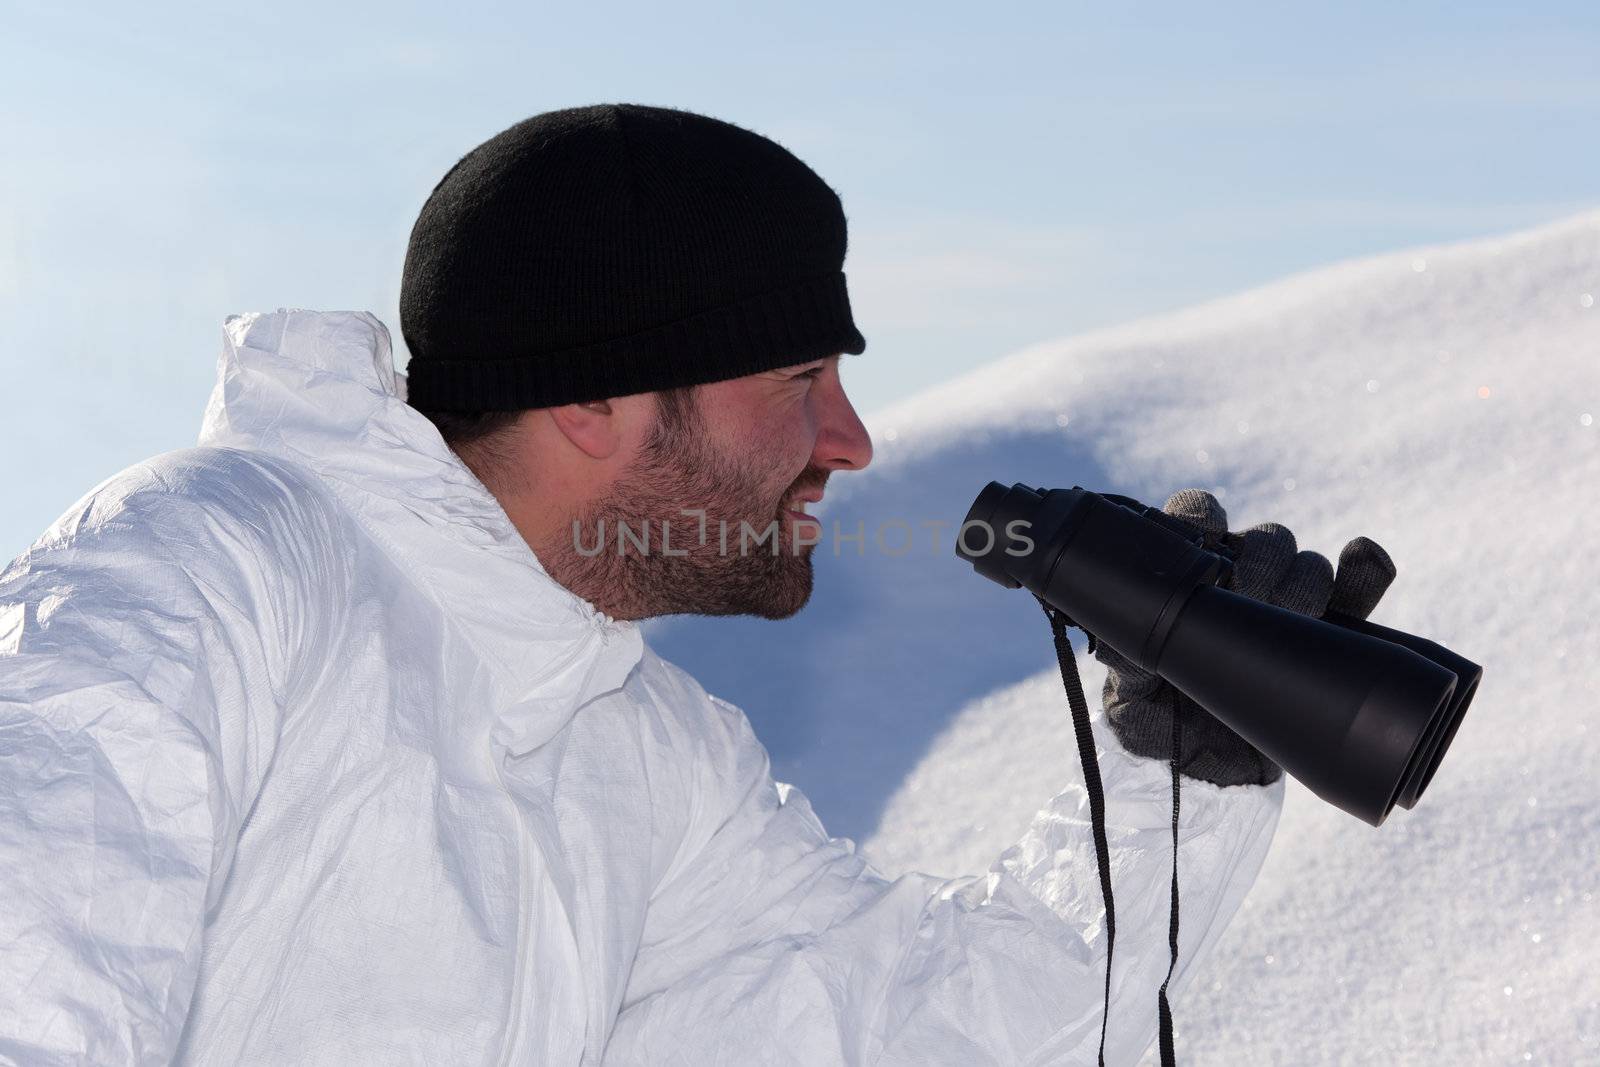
[814, 372]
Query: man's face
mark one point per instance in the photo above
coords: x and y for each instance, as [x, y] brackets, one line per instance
[751, 453]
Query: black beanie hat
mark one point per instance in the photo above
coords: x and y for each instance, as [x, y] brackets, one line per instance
[613, 249]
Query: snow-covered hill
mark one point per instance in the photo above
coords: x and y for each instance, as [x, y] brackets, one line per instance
[1444, 401]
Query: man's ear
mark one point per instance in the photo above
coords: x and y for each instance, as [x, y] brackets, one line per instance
[594, 427]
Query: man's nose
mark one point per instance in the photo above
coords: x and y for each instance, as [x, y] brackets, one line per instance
[843, 442]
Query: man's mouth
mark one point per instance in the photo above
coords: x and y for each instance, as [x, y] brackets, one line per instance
[797, 504]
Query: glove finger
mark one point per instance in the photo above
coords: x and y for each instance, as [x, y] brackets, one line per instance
[1365, 572]
[1125, 680]
[1200, 508]
[1262, 556]
[1115, 662]
[1307, 585]
[1133, 687]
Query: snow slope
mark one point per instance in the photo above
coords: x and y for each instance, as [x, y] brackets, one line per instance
[1444, 401]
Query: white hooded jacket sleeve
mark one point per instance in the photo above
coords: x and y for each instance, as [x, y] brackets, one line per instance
[143, 659]
[789, 947]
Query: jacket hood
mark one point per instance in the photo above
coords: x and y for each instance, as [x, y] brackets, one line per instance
[319, 389]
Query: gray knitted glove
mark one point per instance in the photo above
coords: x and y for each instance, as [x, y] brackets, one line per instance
[1268, 567]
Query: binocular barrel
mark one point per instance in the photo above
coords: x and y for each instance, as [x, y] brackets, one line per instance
[1359, 713]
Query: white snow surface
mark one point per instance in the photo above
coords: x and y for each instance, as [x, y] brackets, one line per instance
[1444, 401]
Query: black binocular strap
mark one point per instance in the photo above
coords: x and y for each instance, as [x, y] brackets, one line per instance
[1169, 1056]
[1097, 816]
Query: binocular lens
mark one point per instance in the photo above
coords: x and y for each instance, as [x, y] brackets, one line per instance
[1443, 729]
[1457, 712]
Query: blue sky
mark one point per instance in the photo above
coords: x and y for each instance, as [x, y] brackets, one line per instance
[1010, 173]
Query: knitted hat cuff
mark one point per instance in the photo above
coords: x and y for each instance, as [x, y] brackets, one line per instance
[802, 322]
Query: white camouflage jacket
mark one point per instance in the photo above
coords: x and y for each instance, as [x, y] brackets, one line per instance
[305, 760]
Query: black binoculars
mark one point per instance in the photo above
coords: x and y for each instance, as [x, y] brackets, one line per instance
[1359, 713]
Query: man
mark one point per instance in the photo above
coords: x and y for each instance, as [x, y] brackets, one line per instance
[329, 742]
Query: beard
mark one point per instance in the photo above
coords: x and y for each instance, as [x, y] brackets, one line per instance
[714, 566]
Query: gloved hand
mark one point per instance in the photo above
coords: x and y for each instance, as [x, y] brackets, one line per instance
[1268, 567]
